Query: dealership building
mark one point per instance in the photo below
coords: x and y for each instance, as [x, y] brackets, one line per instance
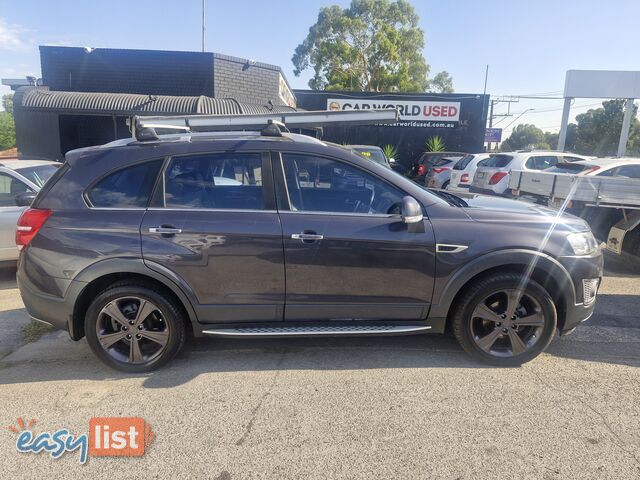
[86, 95]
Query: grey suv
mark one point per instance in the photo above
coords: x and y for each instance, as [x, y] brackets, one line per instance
[138, 245]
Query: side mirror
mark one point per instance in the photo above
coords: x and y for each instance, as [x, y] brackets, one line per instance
[411, 210]
[24, 199]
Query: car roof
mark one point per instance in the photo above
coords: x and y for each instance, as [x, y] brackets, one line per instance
[192, 137]
[14, 164]
[608, 161]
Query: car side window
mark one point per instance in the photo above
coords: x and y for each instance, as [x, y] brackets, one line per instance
[612, 172]
[221, 181]
[541, 162]
[9, 188]
[128, 187]
[317, 184]
[629, 171]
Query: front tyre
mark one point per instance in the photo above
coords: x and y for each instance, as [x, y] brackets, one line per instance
[502, 322]
[134, 328]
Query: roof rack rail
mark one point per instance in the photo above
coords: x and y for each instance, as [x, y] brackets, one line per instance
[269, 124]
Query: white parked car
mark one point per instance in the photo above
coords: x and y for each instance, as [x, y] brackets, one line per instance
[493, 176]
[20, 180]
[463, 171]
[601, 167]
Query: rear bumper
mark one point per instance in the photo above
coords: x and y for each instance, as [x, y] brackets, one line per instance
[56, 311]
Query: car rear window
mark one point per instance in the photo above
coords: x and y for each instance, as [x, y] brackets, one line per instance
[498, 161]
[128, 187]
[443, 161]
[463, 162]
[38, 174]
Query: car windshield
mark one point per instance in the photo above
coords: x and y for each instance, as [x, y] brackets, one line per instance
[38, 174]
[498, 161]
[568, 168]
[374, 154]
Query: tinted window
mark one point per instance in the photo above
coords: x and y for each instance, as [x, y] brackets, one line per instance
[541, 162]
[463, 162]
[498, 161]
[38, 175]
[322, 185]
[9, 188]
[228, 181]
[629, 171]
[126, 188]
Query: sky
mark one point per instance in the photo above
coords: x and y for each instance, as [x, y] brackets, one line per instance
[528, 45]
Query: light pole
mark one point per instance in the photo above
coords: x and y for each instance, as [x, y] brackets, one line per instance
[203, 22]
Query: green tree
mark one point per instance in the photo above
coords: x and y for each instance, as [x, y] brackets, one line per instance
[524, 136]
[7, 131]
[441, 83]
[7, 102]
[598, 130]
[373, 45]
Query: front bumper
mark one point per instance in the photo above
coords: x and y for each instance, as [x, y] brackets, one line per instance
[580, 268]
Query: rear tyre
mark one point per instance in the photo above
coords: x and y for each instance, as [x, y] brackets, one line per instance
[503, 323]
[134, 328]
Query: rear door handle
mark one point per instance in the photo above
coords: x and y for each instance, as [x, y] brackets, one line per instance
[165, 230]
[306, 236]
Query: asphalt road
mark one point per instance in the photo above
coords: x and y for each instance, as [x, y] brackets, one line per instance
[395, 407]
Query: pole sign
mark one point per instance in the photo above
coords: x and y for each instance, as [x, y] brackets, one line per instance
[412, 113]
[493, 135]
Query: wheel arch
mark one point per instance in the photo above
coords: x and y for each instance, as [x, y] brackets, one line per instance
[100, 275]
[545, 270]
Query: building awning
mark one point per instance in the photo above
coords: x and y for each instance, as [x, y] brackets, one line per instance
[125, 104]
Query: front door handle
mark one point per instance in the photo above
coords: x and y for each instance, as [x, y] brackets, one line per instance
[165, 230]
[306, 237]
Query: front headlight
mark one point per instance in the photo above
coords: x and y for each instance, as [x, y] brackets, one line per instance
[582, 243]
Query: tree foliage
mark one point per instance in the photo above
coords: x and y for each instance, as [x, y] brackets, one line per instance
[524, 136]
[7, 131]
[373, 45]
[597, 131]
[7, 102]
[441, 83]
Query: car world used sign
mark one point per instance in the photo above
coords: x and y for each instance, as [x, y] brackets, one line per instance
[412, 113]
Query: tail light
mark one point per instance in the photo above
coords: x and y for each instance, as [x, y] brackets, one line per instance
[464, 178]
[591, 170]
[496, 177]
[421, 169]
[440, 169]
[29, 223]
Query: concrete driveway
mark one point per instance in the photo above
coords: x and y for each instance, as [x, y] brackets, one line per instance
[395, 407]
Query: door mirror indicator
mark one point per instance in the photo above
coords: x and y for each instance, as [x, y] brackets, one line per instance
[411, 210]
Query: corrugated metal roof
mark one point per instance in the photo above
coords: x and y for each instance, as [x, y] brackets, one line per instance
[42, 99]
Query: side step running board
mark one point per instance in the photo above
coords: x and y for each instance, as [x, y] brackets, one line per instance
[303, 330]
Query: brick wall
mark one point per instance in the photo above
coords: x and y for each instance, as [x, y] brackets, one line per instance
[236, 78]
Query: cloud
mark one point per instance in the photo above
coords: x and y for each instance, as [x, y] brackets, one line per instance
[11, 36]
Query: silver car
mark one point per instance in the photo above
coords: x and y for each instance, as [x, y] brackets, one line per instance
[20, 180]
[439, 174]
[462, 172]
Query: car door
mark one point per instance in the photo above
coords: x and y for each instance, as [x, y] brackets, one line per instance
[348, 255]
[10, 186]
[213, 225]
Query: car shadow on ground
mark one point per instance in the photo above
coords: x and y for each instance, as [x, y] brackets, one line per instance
[222, 355]
[8, 278]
